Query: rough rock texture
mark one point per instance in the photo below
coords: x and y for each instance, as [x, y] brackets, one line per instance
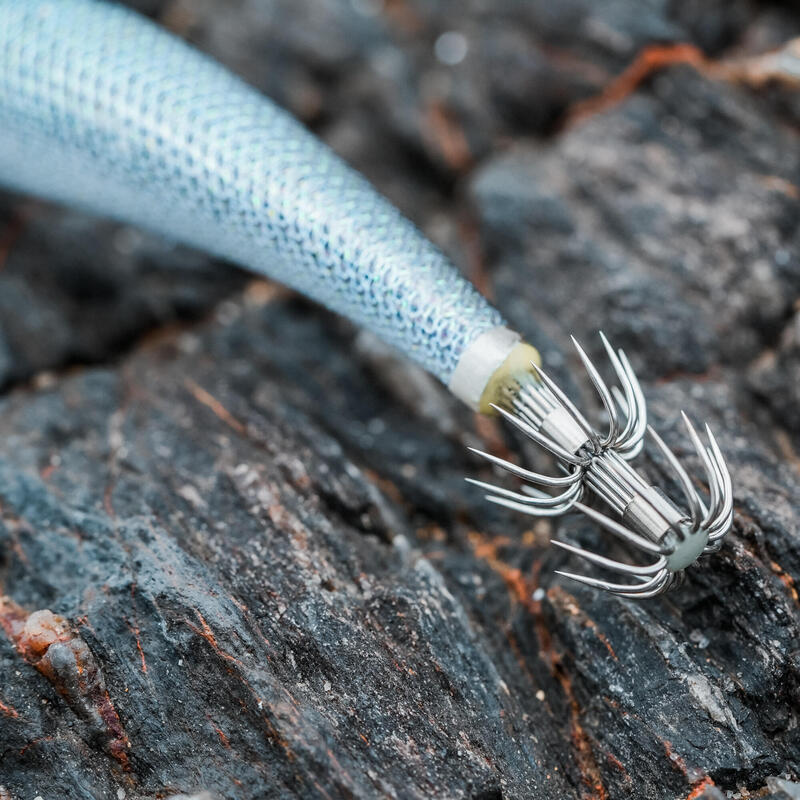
[237, 556]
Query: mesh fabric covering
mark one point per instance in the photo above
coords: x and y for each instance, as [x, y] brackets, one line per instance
[102, 109]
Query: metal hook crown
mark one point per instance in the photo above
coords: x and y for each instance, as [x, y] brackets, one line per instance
[597, 463]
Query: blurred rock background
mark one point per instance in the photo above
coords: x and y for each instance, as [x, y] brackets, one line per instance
[249, 520]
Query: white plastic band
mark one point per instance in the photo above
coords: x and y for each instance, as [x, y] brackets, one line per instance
[479, 362]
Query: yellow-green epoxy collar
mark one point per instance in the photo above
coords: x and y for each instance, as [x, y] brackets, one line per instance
[507, 378]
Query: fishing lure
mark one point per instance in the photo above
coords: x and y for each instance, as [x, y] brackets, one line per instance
[102, 109]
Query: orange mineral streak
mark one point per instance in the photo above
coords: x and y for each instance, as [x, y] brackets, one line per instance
[675, 758]
[134, 628]
[224, 741]
[780, 66]
[786, 579]
[520, 588]
[206, 633]
[581, 741]
[570, 605]
[447, 137]
[649, 60]
[211, 402]
[700, 789]
[9, 711]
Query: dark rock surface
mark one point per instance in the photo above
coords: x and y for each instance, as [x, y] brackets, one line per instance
[237, 556]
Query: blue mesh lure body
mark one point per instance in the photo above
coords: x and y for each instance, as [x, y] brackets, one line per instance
[102, 109]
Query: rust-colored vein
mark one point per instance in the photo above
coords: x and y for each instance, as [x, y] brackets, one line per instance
[570, 604]
[582, 744]
[321, 791]
[211, 402]
[447, 136]
[32, 743]
[205, 631]
[390, 489]
[648, 61]
[521, 589]
[139, 648]
[694, 777]
[700, 788]
[134, 627]
[47, 472]
[619, 766]
[119, 744]
[786, 579]
[581, 741]
[222, 737]
[781, 65]
[8, 710]
[345, 776]
[108, 504]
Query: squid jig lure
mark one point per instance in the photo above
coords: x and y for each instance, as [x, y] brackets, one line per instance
[102, 109]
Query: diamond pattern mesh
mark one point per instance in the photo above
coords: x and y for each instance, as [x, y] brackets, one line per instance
[101, 108]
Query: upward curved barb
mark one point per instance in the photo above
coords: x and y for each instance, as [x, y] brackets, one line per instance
[674, 533]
